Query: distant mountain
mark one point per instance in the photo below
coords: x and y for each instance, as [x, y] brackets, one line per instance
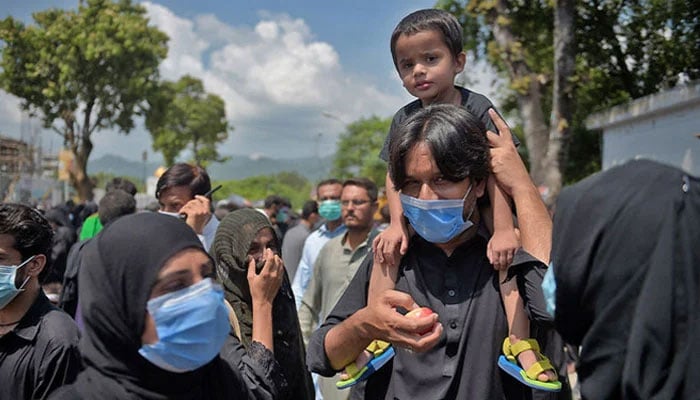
[238, 167]
[120, 166]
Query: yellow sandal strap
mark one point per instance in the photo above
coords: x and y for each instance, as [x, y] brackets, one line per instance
[377, 347]
[352, 371]
[539, 367]
[523, 345]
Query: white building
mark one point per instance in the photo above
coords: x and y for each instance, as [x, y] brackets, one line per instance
[664, 127]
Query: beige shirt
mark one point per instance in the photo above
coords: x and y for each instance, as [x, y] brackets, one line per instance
[334, 268]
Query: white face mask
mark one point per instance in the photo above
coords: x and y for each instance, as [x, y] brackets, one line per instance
[172, 214]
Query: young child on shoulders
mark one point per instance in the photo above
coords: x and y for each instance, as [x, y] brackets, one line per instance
[427, 50]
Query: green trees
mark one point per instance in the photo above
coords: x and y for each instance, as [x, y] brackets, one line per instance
[83, 71]
[623, 49]
[286, 184]
[183, 115]
[358, 149]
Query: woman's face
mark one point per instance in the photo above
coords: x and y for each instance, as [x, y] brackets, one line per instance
[264, 239]
[182, 270]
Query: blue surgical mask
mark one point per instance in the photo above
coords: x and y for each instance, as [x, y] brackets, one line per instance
[437, 221]
[329, 209]
[192, 326]
[8, 289]
[281, 216]
[549, 289]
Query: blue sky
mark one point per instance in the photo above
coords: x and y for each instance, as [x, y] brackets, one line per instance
[281, 66]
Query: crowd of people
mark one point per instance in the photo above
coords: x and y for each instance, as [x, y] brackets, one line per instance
[468, 291]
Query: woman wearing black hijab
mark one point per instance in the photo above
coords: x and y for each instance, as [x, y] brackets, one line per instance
[156, 326]
[243, 236]
[626, 262]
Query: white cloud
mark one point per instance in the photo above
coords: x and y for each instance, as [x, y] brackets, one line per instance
[185, 47]
[275, 77]
[10, 113]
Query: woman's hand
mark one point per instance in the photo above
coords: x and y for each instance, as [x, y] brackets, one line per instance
[265, 284]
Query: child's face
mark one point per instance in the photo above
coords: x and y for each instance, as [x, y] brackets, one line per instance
[427, 68]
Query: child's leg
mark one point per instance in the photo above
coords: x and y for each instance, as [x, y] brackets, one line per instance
[384, 269]
[382, 278]
[518, 324]
[502, 246]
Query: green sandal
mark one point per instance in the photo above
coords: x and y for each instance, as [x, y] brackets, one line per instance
[509, 363]
[381, 352]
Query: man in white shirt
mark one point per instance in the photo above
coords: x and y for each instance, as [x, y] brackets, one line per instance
[180, 192]
[328, 195]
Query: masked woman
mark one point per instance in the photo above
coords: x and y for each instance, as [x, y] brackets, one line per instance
[244, 239]
[625, 281]
[156, 325]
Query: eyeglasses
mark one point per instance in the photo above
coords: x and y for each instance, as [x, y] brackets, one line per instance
[355, 202]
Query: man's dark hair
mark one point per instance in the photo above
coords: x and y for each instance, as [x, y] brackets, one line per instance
[274, 200]
[182, 174]
[310, 207]
[456, 138]
[430, 20]
[114, 204]
[119, 183]
[31, 231]
[366, 184]
[329, 181]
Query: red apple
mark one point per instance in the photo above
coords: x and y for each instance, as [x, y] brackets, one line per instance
[418, 313]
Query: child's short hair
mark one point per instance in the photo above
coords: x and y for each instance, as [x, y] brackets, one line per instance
[430, 20]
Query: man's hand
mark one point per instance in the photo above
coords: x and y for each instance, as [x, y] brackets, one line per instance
[382, 321]
[506, 164]
[198, 213]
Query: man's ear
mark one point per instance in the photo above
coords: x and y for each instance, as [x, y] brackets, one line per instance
[37, 265]
[480, 188]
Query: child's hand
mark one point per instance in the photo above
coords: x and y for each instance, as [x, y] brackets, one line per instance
[265, 285]
[391, 244]
[502, 247]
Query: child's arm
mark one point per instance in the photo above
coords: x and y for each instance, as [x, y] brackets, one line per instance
[504, 242]
[392, 243]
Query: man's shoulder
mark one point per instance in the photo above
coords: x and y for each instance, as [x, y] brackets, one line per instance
[333, 243]
[58, 328]
[299, 231]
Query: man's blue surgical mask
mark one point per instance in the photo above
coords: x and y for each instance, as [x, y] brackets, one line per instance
[329, 209]
[549, 289]
[437, 221]
[192, 326]
[282, 215]
[8, 289]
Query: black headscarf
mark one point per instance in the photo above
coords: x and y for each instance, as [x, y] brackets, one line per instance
[233, 238]
[626, 259]
[119, 268]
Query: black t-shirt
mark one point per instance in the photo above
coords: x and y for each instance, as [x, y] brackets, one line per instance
[463, 290]
[40, 354]
[477, 104]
